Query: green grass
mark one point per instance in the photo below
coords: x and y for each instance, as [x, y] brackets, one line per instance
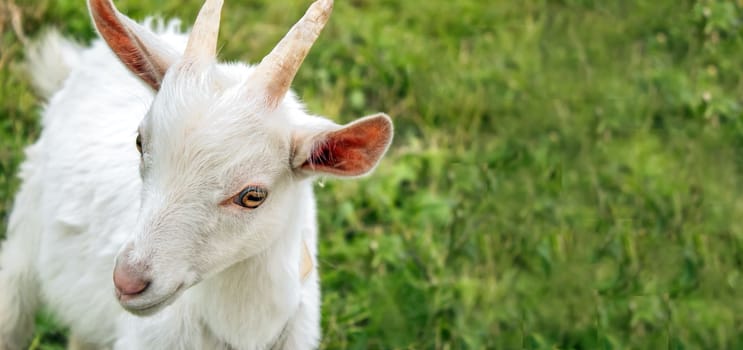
[566, 174]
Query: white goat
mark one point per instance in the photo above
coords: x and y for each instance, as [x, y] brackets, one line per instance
[214, 217]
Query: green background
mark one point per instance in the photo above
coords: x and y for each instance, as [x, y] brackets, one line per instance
[565, 174]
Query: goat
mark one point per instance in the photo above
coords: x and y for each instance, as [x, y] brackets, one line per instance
[189, 179]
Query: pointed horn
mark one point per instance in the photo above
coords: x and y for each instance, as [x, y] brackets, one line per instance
[277, 70]
[202, 43]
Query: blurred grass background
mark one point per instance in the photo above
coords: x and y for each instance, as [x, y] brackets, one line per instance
[566, 174]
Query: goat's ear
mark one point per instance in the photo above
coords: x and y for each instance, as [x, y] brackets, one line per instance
[138, 48]
[350, 150]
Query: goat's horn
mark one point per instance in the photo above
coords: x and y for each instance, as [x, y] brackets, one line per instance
[202, 43]
[277, 70]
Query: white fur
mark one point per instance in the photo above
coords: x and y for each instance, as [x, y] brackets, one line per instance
[53, 59]
[83, 200]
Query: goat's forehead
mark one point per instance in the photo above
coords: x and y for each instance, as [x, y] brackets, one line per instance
[228, 158]
[217, 131]
[203, 119]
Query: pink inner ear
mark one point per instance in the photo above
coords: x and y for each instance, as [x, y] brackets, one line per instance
[124, 43]
[353, 150]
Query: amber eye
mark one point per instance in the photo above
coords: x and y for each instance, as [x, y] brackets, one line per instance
[139, 143]
[251, 197]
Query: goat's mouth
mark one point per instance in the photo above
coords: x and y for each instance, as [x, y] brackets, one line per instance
[145, 306]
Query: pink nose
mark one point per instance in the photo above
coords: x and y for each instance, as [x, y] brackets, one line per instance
[128, 282]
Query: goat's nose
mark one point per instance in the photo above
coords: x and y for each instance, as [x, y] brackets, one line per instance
[128, 282]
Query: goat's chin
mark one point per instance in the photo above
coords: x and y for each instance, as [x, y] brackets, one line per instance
[149, 304]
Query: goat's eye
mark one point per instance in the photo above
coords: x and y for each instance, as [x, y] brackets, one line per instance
[139, 143]
[251, 197]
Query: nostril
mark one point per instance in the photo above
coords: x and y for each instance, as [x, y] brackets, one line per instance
[128, 283]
